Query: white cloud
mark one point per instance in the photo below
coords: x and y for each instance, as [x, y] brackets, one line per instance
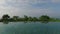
[23, 7]
[56, 1]
[2, 1]
[22, 3]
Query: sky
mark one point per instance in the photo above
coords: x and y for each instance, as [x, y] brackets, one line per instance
[33, 8]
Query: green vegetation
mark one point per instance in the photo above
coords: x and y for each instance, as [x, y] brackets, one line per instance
[44, 18]
[5, 18]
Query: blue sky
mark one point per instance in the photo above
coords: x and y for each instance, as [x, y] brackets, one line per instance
[30, 7]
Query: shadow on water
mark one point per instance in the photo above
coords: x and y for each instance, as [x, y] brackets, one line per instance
[36, 22]
[5, 22]
[25, 21]
[45, 22]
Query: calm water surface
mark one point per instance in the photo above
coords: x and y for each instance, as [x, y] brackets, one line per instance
[30, 28]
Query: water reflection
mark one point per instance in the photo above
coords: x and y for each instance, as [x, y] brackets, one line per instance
[45, 22]
[5, 22]
[36, 22]
[30, 28]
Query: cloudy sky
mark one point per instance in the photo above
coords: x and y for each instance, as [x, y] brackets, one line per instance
[30, 7]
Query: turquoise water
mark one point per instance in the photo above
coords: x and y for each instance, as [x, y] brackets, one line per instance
[30, 28]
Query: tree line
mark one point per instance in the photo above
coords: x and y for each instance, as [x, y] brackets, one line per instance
[6, 18]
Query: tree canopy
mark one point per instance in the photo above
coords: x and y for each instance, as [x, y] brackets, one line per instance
[5, 18]
[44, 18]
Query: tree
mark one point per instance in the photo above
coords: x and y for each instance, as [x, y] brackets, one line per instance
[25, 18]
[44, 18]
[30, 19]
[15, 18]
[35, 19]
[5, 18]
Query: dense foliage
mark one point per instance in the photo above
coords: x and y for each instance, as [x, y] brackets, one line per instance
[44, 18]
[5, 18]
